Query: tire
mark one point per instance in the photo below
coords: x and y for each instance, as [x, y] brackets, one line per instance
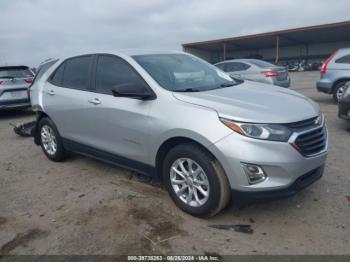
[218, 186]
[55, 153]
[338, 90]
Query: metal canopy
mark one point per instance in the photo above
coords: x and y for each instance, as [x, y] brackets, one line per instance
[327, 33]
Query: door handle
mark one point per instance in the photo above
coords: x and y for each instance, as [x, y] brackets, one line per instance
[94, 101]
[51, 92]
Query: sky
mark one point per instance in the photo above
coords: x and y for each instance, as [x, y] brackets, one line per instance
[34, 30]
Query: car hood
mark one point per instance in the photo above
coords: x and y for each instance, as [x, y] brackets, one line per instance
[254, 102]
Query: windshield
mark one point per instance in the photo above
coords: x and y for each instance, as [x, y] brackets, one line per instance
[15, 72]
[183, 73]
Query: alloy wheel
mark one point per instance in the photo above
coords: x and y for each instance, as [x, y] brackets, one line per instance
[48, 140]
[340, 92]
[190, 182]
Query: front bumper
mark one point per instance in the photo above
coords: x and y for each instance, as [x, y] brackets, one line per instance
[344, 109]
[241, 199]
[281, 162]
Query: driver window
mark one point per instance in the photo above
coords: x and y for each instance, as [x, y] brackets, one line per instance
[113, 71]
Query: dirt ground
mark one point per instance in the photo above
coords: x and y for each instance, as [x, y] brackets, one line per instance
[83, 206]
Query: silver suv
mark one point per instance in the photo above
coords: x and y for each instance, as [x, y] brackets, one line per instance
[335, 73]
[177, 118]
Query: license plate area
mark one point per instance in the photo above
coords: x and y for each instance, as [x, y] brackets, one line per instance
[18, 94]
[282, 75]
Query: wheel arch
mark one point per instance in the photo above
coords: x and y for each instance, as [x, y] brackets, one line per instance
[39, 115]
[343, 79]
[170, 143]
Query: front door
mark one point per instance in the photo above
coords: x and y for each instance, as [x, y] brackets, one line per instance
[125, 129]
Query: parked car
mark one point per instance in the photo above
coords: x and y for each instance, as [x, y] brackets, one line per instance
[173, 116]
[14, 83]
[256, 70]
[335, 73]
[344, 104]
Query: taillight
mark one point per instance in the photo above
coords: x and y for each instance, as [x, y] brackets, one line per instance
[1, 82]
[28, 81]
[325, 65]
[270, 73]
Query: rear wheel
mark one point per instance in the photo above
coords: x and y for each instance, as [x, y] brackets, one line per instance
[195, 180]
[50, 140]
[338, 91]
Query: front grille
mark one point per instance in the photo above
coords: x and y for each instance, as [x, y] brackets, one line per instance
[313, 142]
[305, 124]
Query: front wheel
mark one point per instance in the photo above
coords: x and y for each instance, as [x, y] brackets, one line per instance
[195, 180]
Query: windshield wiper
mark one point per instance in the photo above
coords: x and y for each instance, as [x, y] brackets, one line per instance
[227, 85]
[224, 85]
[188, 90]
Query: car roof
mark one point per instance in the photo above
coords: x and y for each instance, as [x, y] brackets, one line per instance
[244, 60]
[345, 49]
[125, 52]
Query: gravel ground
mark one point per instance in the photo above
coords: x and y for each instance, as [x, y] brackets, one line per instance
[83, 206]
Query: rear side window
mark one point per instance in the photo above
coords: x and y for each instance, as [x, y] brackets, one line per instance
[235, 66]
[343, 60]
[57, 77]
[221, 66]
[76, 73]
[43, 68]
[113, 71]
[15, 72]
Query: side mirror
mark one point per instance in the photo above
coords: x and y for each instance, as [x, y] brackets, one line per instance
[135, 91]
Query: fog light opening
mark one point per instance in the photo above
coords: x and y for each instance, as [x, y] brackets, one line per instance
[254, 173]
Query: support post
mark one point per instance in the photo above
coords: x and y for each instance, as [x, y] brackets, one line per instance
[277, 56]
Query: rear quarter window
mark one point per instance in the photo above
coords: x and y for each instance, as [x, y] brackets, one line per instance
[343, 60]
[42, 69]
[57, 77]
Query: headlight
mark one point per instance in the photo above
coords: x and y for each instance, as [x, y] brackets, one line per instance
[270, 132]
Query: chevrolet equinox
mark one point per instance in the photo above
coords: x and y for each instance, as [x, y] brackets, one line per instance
[209, 138]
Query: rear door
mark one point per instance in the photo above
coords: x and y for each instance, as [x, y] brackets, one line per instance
[68, 98]
[125, 129]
